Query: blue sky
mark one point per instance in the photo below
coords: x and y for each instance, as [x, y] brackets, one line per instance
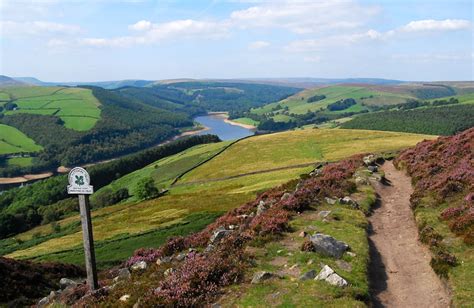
[110, 40]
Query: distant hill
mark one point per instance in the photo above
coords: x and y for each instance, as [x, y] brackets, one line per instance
[6, 81]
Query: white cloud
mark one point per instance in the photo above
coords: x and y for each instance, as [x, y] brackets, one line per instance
[142, 25]
[35, 28]
[304, 16]
[431, 57]
[436, 25]
[258, 45]
[312, 59]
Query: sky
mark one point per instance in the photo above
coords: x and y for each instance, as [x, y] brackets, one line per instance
[87, 40]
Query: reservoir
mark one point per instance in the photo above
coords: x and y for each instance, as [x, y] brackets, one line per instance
[217, 126]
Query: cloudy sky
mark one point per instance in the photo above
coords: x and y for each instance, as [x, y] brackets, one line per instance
[73, 40]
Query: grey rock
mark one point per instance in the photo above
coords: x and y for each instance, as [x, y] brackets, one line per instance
[351, 254]
[336, 280]
[262, 276]
[324, 214]
[43, 302]
[344, 265]
[124, 298]
[325, 272]
[180, 257]
[327, 245]
[233, 227]
[308, 275]
[123, 274]
[218, 236]
[373, 168]
[66, 282]
[285, 196]
[209, 248]
[261, 208]
[369, 160]
[139, 266]
[348, 201]
[330, 201]
[298, 186]
[163, 260]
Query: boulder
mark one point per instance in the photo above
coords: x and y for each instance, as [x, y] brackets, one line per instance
[218, 236]
[373, 168]
[163, 260]
[308, 275]
[324, 214]
[125, 298]
[327, 274]
[330, 201]
[139, 266]
[327, 245]
[123, 274]
[348, 201]
[261, 276]
[261, 208]
[66, 282]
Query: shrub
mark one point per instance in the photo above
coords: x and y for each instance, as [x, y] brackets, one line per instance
[146, 188]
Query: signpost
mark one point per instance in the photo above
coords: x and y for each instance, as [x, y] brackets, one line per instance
[79, 184]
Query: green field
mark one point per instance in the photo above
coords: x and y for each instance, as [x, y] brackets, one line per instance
[13, 141]
[77, 107]
[298, 103]
[199, 192]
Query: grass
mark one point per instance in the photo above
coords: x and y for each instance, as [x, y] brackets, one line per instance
[115, 251]
[187, 197]
[299, 147]
[13, 141]
[344, 224]
[20, 161]
[77, 107]
[247, 121]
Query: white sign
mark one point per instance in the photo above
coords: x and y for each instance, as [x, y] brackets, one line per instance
[79, 182]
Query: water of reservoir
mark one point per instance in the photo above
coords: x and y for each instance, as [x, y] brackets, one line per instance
[224, 130]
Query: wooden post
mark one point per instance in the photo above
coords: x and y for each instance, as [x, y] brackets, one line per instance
[88, 240]
[79, 184]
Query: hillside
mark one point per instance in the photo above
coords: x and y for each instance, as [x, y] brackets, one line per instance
[6, 81]
[207, 190]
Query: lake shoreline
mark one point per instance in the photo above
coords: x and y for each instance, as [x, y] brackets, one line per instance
[225, 116]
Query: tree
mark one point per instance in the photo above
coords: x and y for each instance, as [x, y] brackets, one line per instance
[146, 188]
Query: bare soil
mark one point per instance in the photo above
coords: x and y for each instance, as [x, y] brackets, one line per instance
[400, 273]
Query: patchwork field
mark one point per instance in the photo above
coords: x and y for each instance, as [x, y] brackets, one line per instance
[77, 107]
[203, 190]
[13, 141]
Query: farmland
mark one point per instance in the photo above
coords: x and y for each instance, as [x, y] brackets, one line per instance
[197, 192]
[13, 141]
[77, 107]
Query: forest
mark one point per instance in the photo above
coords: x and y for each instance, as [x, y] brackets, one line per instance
[445, 120]
[47, 200]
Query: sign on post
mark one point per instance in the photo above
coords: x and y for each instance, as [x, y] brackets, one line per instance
[79, 184]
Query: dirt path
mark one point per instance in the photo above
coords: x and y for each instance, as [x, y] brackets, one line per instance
[400, 273]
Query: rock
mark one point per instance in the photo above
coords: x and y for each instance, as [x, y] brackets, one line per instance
[169, 272]
[330, 201]
[66, 282]
[180, 257]
[252, 215]
[336, 280]
[293, 267]
[328, 245]
[349, 201]
[327, 274]
[302, 234]
[349, 253]
[285, 196]
[299, 186]
[123, 274]
[310, 262]
[209, 248]
[324, 273]
[125, 298]
[373, 168]
[344, 265]
[233, 227]
[261, 208]
[308, 275]
[43, 302]
[360, 181]
[324, 214]
[369, 160]
[139, 266]
[138, 304]
[219, 235]
[244, 216]
[261, 276]
[163, 260]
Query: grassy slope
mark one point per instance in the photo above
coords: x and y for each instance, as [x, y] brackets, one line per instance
[298, 103]
[272, 151]
[77, 107]
[13, 141]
